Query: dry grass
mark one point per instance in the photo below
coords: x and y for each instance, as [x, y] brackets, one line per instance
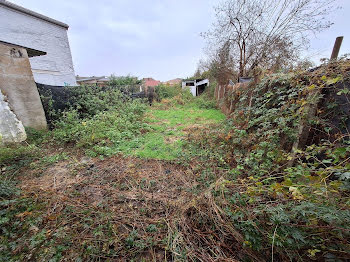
[136, 193]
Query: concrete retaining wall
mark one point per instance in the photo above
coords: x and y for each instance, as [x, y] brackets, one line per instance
[17, 84]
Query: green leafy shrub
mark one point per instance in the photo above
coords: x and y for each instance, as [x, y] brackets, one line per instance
[105, 129]
[291, 201]
[165, 91]
[87, 101]
[122, 81]
[205, 102]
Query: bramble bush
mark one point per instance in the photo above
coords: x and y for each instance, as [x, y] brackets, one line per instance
[94, 118]
[283, 202]
[102, 132]
[87, 101]
[165, 92]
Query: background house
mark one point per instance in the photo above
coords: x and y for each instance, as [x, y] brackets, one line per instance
[150, 82]
[173, 82]
[24, 27]
[93, 80]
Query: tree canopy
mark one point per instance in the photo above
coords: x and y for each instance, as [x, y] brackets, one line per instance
[264, 33]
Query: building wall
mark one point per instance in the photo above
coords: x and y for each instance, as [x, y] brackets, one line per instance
[55, 68]
[193, 89]
[17, 84]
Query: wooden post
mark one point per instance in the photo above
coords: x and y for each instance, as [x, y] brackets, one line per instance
[336, 47]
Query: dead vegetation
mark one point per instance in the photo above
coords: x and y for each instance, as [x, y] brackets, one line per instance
[138, 199]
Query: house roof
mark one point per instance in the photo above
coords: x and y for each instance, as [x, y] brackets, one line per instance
[174, 81]
[31, 13]
[31, 52]
[150, 82]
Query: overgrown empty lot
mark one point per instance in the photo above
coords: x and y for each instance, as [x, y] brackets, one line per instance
[68, 203]
[178, 181]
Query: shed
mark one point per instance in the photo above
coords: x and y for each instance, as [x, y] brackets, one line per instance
[196, 86]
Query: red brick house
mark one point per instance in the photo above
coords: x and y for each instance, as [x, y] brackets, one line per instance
[150, 82]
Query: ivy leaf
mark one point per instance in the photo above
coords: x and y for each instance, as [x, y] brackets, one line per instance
[344, 91]
[345, 176]
[332, 81]
[296, 193]
[311, 87]
[312, 252]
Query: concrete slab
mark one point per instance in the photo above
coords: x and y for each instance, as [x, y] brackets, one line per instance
[18, 85]
[11, 129]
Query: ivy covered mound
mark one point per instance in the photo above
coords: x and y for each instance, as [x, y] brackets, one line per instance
[283, 163]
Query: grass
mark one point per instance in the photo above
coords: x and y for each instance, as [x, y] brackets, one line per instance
[56, 203]
[228, 196]
[168, 129]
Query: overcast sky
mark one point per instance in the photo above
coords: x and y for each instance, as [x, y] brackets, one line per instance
[152, 38]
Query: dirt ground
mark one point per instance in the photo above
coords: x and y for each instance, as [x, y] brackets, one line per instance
[138, 195]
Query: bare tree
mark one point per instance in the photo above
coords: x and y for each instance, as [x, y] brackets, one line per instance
[266, 33]
[219, 64]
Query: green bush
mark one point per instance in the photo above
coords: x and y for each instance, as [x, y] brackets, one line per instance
[294, 200]
[164, 91]
[204, 102]
[97, 119]
[118, 81]
[105, 129]
[87, 101]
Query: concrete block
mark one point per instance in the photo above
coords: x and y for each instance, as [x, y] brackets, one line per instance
[11, 129]
[17, 83]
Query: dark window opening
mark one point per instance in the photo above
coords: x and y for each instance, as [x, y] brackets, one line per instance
[200, 89]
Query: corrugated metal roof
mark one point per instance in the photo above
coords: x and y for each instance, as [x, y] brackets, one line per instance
[31, 13]
[90, 78]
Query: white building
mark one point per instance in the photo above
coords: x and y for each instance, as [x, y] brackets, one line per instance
[24, 27]
[196, 86]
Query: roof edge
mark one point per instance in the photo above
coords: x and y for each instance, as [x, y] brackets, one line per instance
[31, 52]
[32, 13]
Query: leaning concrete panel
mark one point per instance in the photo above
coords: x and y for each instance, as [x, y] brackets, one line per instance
[26, 28]
[17, 84]
[11, 129]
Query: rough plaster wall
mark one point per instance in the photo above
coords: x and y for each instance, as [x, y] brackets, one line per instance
[11, 129]
[17, 83]
[55, 68]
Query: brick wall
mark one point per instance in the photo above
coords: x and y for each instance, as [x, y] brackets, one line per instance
[55, 68]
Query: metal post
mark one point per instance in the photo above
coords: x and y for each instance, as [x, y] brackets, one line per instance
[336, 47]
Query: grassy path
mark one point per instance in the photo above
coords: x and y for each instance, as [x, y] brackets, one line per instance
[168, 129]
[120, 208]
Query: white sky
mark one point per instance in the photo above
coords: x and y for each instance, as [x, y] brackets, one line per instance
[152, 38]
